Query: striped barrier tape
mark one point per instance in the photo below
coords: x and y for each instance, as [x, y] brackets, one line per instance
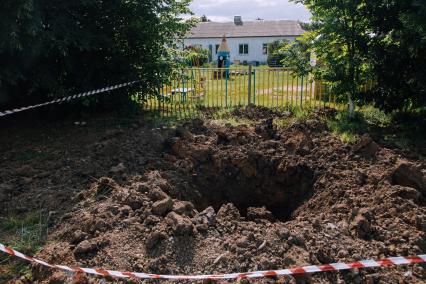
[390, 261]
[67, 99]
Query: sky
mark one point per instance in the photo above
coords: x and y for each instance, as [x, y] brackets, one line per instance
[225, 10]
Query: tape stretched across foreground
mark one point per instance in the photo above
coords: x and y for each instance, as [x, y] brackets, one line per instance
[67, 99]
[391, 261]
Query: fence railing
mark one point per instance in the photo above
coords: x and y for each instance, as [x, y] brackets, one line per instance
[200, 88]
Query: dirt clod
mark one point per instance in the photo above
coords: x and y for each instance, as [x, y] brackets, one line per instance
[407, 174]
[154, 239]
[184, 208]
[362, 227]
[78, 236]
[85, 247]
[254, 214]
[163, 206]
[181, 225]
[366, 146]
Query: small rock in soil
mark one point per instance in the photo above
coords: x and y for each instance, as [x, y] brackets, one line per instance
[154, 239]
[407, 174]
[362, 227]
[228, 212]
[184, 208]
[181, 225]
[366, 147]
[120, 168]
[162, 207]
[85, 247]
[254, 213]
[207, 217]
[156, 194]
[78, 236]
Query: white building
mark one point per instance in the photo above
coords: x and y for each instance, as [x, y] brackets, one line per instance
[248, 41]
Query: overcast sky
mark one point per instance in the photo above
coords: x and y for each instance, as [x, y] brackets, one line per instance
[224, 10]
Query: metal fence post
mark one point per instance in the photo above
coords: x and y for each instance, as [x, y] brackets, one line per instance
[301, 95]
[226, 86]
[249, 84]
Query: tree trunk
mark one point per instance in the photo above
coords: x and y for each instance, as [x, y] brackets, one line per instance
[351, 106]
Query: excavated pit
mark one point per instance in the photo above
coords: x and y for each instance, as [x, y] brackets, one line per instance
[243, 166]
[280, 193]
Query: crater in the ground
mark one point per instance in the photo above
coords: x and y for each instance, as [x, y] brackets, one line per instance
[279, 187]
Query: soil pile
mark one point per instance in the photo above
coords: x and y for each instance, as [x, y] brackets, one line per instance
[210, 198]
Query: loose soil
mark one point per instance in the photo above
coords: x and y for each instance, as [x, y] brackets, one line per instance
[205, 197]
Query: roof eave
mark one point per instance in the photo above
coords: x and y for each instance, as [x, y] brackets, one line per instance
[207, 37]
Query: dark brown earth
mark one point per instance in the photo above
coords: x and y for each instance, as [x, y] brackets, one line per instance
[211, 198]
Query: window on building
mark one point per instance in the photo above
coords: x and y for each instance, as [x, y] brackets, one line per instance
[210, 52]
[244, 48]
[265, 48]
[217, 47]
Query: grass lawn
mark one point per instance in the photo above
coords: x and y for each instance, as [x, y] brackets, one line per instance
[27, 235]
[270, 87]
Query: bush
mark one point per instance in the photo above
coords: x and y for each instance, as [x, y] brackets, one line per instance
[56, 48]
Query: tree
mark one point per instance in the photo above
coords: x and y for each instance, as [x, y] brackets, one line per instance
[384, 40]
[398, 53]
[275, 55]
[204, 19]
[296, 55]
[195, 56]
[52, 48]
[340, 37]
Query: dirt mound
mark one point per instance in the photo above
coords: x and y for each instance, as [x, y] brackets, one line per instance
[258, 112]
[216, 199]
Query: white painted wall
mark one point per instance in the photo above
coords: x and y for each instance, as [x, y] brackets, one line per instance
[255, 46]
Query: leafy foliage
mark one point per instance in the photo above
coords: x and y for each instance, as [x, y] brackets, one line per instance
[340, 35]
[359, 39]
[297, 55]
[398, 53]
[56, 47]
[275, 56]
[195, 56]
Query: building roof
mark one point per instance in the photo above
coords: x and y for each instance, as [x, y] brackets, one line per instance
[246, 29]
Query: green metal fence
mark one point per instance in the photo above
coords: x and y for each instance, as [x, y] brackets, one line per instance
[202, 88]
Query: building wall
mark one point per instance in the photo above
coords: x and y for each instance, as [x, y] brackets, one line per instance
[255, 52]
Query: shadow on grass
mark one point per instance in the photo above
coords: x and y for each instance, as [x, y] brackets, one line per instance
[406, 132]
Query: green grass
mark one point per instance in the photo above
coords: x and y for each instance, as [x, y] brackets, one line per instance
[373, 116]
[403, 131]
[348, 128]
[25, 234]
[348, 137]
[269, 87]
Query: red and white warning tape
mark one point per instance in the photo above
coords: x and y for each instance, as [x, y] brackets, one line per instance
[86, 94]
[390, 261]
